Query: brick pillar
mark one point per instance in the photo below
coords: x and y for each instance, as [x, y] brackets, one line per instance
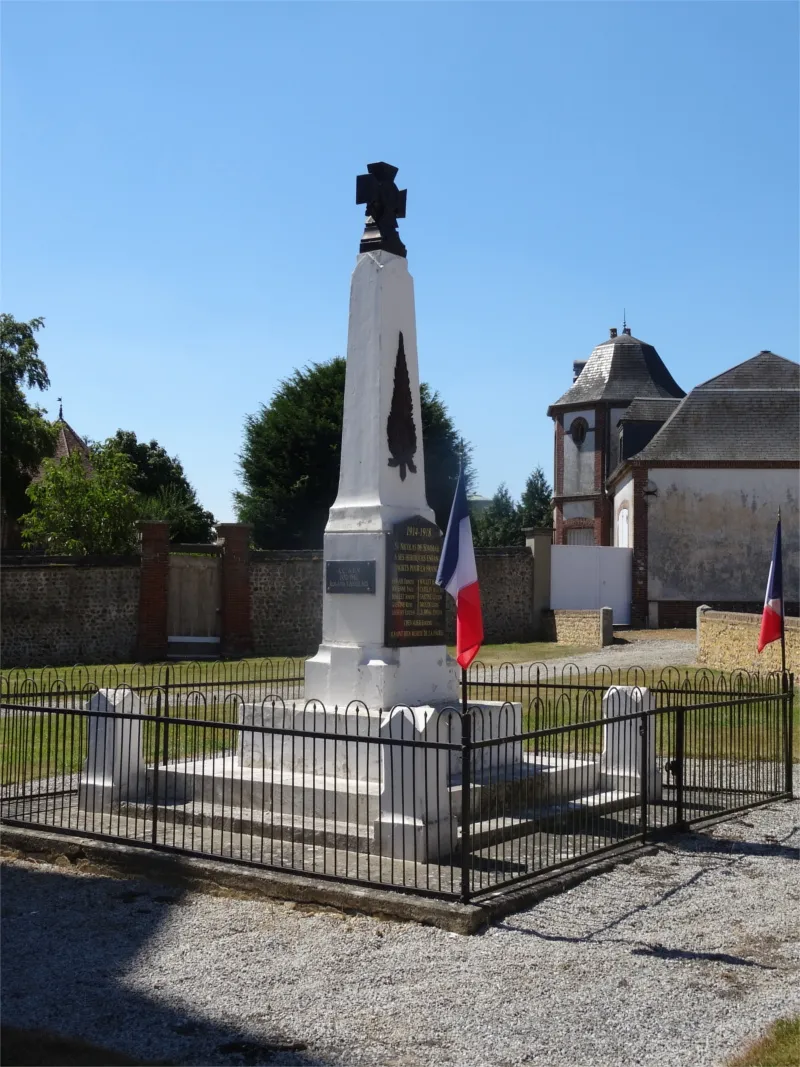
[558, 479]
[639, 599]
[236, 622]
[151, 641]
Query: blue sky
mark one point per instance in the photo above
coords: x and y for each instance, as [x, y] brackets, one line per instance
[178, 201]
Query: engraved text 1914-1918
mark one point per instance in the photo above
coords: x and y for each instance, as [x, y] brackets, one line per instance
[414, 603]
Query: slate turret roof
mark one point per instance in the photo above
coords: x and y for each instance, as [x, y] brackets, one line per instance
[749, 413]
[618, 370]
[652, 410]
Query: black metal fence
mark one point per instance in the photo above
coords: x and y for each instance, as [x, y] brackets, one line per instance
[545, 768]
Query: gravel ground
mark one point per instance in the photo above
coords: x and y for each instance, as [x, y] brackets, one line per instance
[646, 653]
[675, 959]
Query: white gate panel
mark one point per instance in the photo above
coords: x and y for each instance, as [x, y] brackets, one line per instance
[585, 578]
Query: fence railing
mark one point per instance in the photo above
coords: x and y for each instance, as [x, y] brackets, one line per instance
[541, 770]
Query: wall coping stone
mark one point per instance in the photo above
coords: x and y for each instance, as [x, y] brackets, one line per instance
[745, 618]
[15, 561]
[278, 555]
[508, 550]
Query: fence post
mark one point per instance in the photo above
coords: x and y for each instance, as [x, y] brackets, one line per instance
[680, 752]
[166, 715]
[156, 745]
[788, 705]
[644, 770]
[466, 775]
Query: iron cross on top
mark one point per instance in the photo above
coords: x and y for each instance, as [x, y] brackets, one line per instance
[385, 205]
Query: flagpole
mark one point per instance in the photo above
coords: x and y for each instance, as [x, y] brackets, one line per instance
[783, 605]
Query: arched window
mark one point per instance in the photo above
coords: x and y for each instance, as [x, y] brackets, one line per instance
[578, 430]
[622, 529]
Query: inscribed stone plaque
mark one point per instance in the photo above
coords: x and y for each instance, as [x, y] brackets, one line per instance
[350, 576]
[414, 603]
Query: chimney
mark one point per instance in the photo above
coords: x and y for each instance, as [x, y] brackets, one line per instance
[577, 367]
[612, 332]
[627, 330]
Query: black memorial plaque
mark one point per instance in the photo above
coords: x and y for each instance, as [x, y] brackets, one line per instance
[350, 576]
[414, 602]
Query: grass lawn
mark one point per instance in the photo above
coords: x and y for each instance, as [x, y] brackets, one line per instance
[240, 670]
[530, 652]
[34, 745]
[264, 668]
[780, 1047]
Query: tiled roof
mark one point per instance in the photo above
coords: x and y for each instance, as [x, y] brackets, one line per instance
[67, 441]
[764, 371]
[620, 369]
[726, 420]
[649, 410]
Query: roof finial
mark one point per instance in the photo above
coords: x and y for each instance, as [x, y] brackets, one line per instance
[60, 409]
[624, 323]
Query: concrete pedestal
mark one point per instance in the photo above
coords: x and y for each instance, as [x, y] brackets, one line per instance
[114, 770]
[621, 763]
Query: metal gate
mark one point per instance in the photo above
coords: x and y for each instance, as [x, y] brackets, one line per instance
[584, 578]
[194, 600]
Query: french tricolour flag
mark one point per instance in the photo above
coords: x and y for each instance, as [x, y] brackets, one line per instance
[772, 618]
[459, 576]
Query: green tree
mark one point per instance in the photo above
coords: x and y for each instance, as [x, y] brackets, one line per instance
[500, 524]
[536, 504]
[163, 489]
[289, 462]
[76, 512]
[27, 437]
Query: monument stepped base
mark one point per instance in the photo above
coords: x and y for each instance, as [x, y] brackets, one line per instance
[539, 794]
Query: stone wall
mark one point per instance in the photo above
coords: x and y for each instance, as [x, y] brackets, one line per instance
[55, 614]
[505, 577]
[89, 611]
[728, 640]
[591, 629]
[286, 599]
[286, 602]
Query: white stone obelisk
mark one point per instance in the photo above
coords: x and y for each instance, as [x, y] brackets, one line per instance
[353, 662]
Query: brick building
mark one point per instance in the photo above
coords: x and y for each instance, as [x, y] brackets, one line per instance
[696, 490]
[619, 370]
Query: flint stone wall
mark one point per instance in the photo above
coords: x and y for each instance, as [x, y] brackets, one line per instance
[505, 577]
[86, 611]
[286, 599]
[728, 640]
[65, 613]
[286, 602]
[591, 629]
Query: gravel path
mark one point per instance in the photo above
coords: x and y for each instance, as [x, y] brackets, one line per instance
[675, 959]
[649, 653]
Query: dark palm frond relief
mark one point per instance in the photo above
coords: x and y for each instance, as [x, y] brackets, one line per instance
[400, 430]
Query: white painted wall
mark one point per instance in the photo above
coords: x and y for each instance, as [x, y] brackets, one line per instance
[579, 461]
[710, 533]
[584, 578]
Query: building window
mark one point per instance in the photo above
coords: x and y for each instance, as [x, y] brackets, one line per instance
[622, 529]
[578, 429]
